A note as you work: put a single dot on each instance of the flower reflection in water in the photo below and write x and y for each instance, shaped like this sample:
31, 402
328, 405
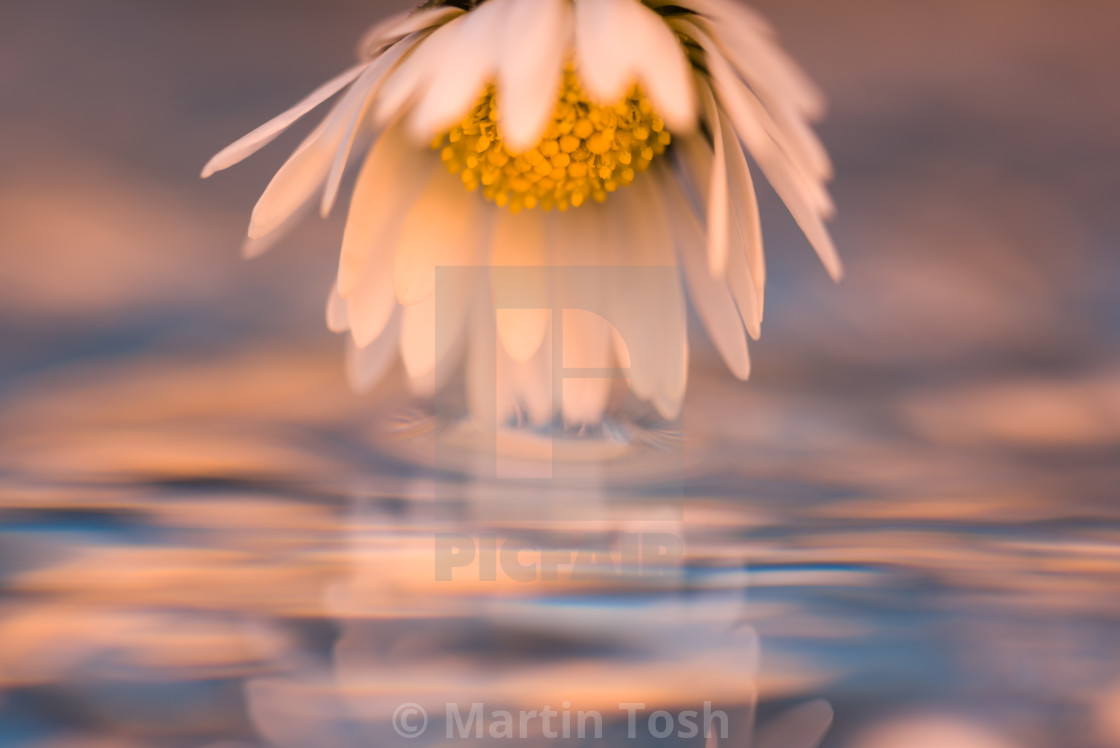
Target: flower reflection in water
574, 621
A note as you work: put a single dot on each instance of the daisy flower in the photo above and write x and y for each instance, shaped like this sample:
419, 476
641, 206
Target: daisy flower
599, 135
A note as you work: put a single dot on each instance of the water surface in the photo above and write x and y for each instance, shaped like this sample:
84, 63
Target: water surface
907, 519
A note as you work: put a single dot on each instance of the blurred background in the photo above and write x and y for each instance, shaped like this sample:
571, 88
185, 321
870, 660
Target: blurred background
207, 540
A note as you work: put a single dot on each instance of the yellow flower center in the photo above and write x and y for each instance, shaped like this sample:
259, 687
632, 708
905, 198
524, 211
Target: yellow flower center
587, 151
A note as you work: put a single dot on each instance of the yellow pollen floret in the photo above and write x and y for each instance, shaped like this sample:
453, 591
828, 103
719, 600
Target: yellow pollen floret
587, 151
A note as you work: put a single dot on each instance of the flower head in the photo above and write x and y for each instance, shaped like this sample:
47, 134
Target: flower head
553, 134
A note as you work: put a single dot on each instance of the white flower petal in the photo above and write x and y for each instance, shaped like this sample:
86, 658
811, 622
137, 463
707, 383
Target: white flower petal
748, 42
694, 164
719, 210
631, 297
730, 181
518, 241
535, 44
305, 172
647, 301
691, 157
801, 139
602, 65
381, 198
370, 306
397, 27
342, 155
390, 178
361, 95
254, 247
532, 382
587, 344
522, 331
650, 54
468, 62
311, 164
741, 281
669, 401
799, 192
266, 133
376, 36
710, 296
621, 353
441, 229
736, 11
581, 238
774, 105
765, 136
747, 234
411, 78
294, 184
664, 70
505, 388
366, 366
338, 315
432, 335
490, 391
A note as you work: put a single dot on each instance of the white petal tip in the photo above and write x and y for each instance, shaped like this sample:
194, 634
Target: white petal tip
683, 119
257, 229
251, 249
361, 337
521, 134
669, 408
520, 144
346, 285
219, 162
682, 126
412, 295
